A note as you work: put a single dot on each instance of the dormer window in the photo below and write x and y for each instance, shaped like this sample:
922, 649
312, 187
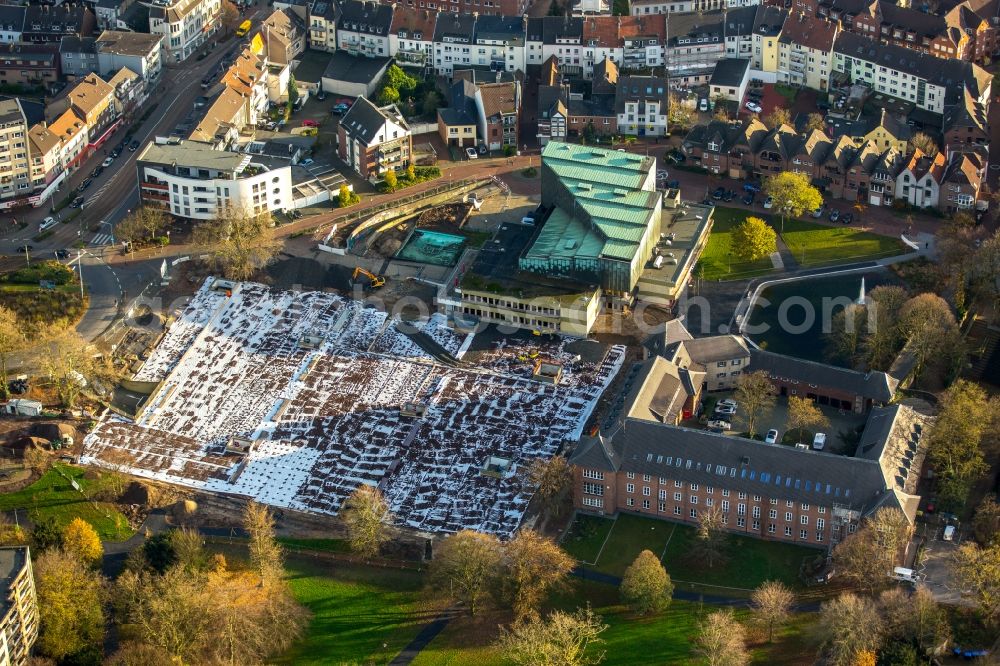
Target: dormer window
713, 146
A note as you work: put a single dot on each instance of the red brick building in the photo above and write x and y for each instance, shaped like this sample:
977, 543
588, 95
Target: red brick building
762, 490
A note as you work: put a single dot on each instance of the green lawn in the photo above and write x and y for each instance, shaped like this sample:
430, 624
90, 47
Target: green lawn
717, 260
586, 536
355, 611
53, 496
662, 639
809, 242
749, 561
814, 244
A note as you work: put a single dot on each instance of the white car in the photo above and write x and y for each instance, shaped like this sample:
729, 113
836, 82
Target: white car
108, 161
753, 106
768, 202
818, 213
728, 402
718, 425
48, 223
771, 437
819, 441
725, 410
471, 153
703, 105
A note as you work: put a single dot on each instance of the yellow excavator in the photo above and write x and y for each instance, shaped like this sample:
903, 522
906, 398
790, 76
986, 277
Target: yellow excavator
375, 280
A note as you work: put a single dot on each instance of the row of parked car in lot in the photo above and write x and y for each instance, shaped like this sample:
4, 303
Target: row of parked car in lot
722, 421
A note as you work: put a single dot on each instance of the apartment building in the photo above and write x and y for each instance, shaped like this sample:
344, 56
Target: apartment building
184, 25
963, 180
49, 24
374, 139
29, 64
45, 149
641, 105
195, 181
323, 17
15, 161
805, 52
92, 99
11, 23
965, 126
695, 43
363, 28
285, 36
411, 37
138, 51
19, 623
454, 35
499, 108
739, 32
480, 7
499, 43
78, 55
767, 25
929, 82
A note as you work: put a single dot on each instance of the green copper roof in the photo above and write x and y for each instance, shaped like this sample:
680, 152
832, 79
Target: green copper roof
611, 212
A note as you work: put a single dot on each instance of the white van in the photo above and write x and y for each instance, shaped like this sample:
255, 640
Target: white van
819, 441
905, 575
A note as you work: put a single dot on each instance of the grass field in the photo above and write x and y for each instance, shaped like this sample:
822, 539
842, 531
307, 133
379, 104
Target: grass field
717, 260
53, 496
749, 562
809, 242
812, 244
662, 639
356, 610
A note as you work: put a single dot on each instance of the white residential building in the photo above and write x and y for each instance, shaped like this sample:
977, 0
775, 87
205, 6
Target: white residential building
411, 38
138, 51
194, 181
185, 25
805, 52
15, 164
323, 17
499, 43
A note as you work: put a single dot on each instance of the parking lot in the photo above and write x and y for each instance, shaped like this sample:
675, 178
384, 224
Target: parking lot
936, 567
777, 418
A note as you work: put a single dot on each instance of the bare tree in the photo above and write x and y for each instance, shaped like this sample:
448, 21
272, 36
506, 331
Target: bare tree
142, 225
533, 565
265, 551
925, 143
554, 478
466, 566
868, 556
778, 117
117, 462
646, 585
368, 518
851, 625
37, 460
132, 653
710, 541
189, 548
70, 362
756, 396
803, 414
913, 618
816, 122
561, 639
986, 523
239, 241
772, 603
721, 640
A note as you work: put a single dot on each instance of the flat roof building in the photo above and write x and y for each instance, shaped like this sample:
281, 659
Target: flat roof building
18, 606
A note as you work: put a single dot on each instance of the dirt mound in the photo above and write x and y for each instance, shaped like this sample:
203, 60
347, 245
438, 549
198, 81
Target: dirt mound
136, 493
53, 431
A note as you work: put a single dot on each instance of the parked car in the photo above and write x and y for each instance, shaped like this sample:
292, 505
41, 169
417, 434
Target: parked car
819, 441
728, 196
340, 109
768, 202
673, 184
310, 123
834, 215
471, 153
307, 161
751, 187
748, 199
847, 218
719, 425
321, 95
771, 437
728, 402
753, 107
108, 161
77, 202
818, 213
48, 223
25, 248
718, 193
62, 254
84, 185
725, 410
676, 157
703, 104
134, 146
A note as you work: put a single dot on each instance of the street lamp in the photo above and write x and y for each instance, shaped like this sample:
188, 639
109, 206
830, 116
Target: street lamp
785, 207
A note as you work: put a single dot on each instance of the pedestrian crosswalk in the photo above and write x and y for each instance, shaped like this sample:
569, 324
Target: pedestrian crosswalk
102, 239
